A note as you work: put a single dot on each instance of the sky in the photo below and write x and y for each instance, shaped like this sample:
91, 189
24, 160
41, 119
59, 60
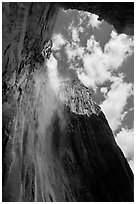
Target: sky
93, 53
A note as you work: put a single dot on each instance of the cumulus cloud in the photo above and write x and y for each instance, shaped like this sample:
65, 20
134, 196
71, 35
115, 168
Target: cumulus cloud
115, 102
58, 41
125, 140
86, 17
117, 50
73, 48
84, 78
99, 65
95, 70
74, 51
75, 34
93, 46
104, 90
91, 19
74, 31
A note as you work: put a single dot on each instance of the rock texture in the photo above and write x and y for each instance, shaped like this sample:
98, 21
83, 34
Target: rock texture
53, 150
78, 98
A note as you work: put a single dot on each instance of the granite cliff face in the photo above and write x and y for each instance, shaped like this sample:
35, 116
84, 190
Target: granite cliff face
56, 147
78, 98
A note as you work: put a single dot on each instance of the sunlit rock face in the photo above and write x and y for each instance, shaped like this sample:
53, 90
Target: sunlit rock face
78, 98
53, 150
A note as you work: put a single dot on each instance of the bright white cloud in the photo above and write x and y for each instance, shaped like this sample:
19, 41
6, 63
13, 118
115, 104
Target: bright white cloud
125, 140
117, 50
91, 19
99, 65
84, 78
95, 69
104, 90
93, 46
115, 102
58, 41
75, 34
73, 48
84, 16
74, 51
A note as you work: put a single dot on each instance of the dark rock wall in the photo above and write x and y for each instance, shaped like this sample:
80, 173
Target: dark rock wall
96, 161
50, 154
26, 28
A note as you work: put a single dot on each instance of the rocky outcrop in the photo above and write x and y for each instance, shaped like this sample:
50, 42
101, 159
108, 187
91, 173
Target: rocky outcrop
58, 154
53, 150
78, 98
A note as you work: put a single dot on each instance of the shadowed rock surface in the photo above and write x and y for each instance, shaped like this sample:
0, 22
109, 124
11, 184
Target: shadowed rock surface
53, 150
